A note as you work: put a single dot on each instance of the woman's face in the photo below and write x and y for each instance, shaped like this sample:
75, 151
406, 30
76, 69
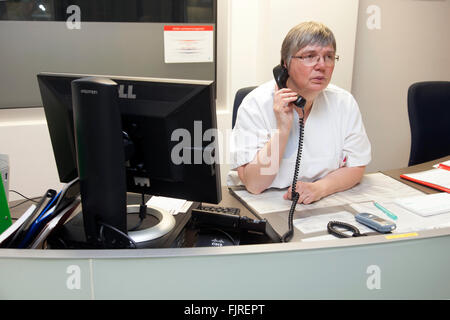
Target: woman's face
311, 68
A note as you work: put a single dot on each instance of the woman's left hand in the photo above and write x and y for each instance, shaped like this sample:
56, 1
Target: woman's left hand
309, 192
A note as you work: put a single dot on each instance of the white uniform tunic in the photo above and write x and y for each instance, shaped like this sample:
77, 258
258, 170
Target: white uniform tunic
334, 135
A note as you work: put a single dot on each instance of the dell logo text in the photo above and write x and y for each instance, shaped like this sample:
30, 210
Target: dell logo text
127, 95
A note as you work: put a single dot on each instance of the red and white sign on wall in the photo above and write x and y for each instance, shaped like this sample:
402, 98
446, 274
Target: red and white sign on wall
188, 44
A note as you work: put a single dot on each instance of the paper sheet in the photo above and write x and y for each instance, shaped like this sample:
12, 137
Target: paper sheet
319, 222
266, 202
406, 221
188, 43
373, 187
17, 224
172, 205
426, 205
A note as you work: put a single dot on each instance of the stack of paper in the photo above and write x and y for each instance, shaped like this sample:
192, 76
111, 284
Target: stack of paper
426, 205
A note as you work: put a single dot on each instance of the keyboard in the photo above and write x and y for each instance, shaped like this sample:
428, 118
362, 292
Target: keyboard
214, 209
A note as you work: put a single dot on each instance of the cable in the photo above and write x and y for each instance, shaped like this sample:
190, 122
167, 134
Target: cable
102, 225
290, 233
136, 226
18, 204
25, 201
28, 199
142, 213
331, 227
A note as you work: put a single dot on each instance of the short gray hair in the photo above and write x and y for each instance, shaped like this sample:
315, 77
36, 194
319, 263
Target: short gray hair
304, 34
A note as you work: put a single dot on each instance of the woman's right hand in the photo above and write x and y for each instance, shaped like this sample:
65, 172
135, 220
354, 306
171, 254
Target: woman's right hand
283, 108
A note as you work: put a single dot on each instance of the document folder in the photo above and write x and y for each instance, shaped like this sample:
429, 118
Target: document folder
438, 178
5, 217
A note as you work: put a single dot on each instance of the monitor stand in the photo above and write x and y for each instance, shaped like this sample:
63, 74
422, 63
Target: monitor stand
166, 222
160, 229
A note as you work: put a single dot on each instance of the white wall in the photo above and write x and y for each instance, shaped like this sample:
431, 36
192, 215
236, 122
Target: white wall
115, 48
411, 44
258, 28
250, 33
24, 137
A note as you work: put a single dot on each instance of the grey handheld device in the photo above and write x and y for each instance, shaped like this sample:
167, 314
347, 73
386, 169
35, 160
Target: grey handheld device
375, 222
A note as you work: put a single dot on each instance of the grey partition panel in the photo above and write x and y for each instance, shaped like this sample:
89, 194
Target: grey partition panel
369, 268
45, 279
107, 48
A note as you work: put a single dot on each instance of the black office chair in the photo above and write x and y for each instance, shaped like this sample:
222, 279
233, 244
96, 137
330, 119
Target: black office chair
240, 95
429, 119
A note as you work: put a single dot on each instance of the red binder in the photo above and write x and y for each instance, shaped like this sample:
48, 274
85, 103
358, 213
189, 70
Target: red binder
443, 166
429, 184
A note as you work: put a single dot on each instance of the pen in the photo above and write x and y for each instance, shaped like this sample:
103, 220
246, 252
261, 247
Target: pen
386, 211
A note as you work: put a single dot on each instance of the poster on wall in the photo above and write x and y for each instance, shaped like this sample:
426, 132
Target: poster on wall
188, 44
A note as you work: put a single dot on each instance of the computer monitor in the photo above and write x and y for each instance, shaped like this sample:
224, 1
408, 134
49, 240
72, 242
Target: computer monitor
168, 133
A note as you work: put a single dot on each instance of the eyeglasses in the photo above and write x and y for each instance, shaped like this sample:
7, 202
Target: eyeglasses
312, 59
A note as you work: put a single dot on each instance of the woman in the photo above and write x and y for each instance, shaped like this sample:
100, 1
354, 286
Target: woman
265, 137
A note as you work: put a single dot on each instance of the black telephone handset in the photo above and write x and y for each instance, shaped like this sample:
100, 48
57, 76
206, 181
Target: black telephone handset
281, 75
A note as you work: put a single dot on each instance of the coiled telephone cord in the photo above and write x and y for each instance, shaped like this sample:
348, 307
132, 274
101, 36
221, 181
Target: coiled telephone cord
290, 233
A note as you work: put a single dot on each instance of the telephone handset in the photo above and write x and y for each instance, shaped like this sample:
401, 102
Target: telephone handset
281, 75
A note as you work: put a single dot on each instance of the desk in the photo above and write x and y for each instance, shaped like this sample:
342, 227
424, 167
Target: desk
228, 200
417, 168
410, 267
